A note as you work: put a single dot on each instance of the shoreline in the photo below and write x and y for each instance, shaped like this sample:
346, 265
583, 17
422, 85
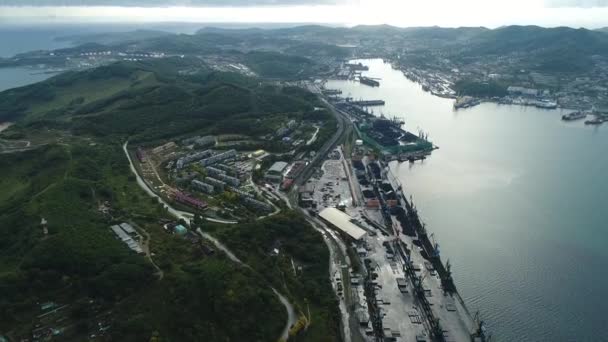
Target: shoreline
420, 80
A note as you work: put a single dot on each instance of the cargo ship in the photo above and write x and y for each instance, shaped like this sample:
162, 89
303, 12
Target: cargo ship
574, 116
369, 81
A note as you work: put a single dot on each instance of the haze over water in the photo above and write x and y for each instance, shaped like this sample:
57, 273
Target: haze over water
516, 200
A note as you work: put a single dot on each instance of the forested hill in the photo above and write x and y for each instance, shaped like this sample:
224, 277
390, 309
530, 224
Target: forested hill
551, 49
74, 180
152, 100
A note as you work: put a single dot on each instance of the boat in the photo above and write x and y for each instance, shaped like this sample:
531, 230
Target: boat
369, 81
574, 116
595, 121
545, 104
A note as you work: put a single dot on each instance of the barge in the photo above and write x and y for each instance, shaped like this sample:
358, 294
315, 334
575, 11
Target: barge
574, 116
369, 81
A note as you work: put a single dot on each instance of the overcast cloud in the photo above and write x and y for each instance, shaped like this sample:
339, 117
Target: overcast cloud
577, 3
447, 13
162, 3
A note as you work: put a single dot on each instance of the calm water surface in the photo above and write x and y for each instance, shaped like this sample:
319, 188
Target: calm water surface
516, 200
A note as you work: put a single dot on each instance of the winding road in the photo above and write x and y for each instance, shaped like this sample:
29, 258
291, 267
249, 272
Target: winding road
186, 216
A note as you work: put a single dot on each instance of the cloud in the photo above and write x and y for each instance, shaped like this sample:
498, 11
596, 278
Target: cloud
576, 3
163, 3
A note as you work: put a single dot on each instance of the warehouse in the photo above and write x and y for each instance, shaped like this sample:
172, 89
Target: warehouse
275, 173
128, 229
124, 237
342, 221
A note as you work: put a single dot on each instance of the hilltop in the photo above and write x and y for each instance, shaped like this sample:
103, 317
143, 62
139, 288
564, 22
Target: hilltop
153, 99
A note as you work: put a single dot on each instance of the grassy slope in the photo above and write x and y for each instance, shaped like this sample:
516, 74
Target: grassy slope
151, 101
297, 241
199, 297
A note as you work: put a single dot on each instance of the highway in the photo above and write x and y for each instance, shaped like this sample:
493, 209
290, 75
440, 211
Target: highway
342, 123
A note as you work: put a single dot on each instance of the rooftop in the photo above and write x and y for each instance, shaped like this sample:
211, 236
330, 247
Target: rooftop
343, 222
278, 167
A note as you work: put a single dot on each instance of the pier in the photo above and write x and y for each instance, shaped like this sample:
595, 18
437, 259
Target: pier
331, 92
368, 103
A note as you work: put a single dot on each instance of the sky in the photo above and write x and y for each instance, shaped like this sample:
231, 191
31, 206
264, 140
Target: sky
446, 13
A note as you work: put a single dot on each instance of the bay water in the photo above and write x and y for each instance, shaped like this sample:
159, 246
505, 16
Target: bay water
516, 199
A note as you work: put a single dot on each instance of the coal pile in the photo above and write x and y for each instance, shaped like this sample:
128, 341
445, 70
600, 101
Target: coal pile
368, 194
406, 224
363, 181
409, 137
358, 165
391, 195
375, 170
386, 187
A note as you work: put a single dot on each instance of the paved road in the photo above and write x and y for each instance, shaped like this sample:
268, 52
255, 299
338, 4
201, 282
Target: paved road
328, 146
291, 316
179, 214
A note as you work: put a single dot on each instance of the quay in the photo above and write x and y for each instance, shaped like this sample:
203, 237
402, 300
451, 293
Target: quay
397, 287
393, 285
368, 103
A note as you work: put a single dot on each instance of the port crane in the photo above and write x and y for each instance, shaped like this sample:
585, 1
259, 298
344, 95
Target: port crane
481, 331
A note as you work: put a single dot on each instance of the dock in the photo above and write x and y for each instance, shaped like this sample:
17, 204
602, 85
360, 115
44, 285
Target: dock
403, 290
368, 103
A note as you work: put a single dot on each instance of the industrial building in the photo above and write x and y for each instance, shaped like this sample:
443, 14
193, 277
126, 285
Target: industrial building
128, 229
305, 195
275, 173
124, 237
343, 222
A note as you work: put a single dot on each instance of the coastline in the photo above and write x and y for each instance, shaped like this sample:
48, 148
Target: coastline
502, 168
446, 91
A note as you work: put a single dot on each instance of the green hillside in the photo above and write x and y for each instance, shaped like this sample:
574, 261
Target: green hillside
80, 263
76, 167
154, 100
